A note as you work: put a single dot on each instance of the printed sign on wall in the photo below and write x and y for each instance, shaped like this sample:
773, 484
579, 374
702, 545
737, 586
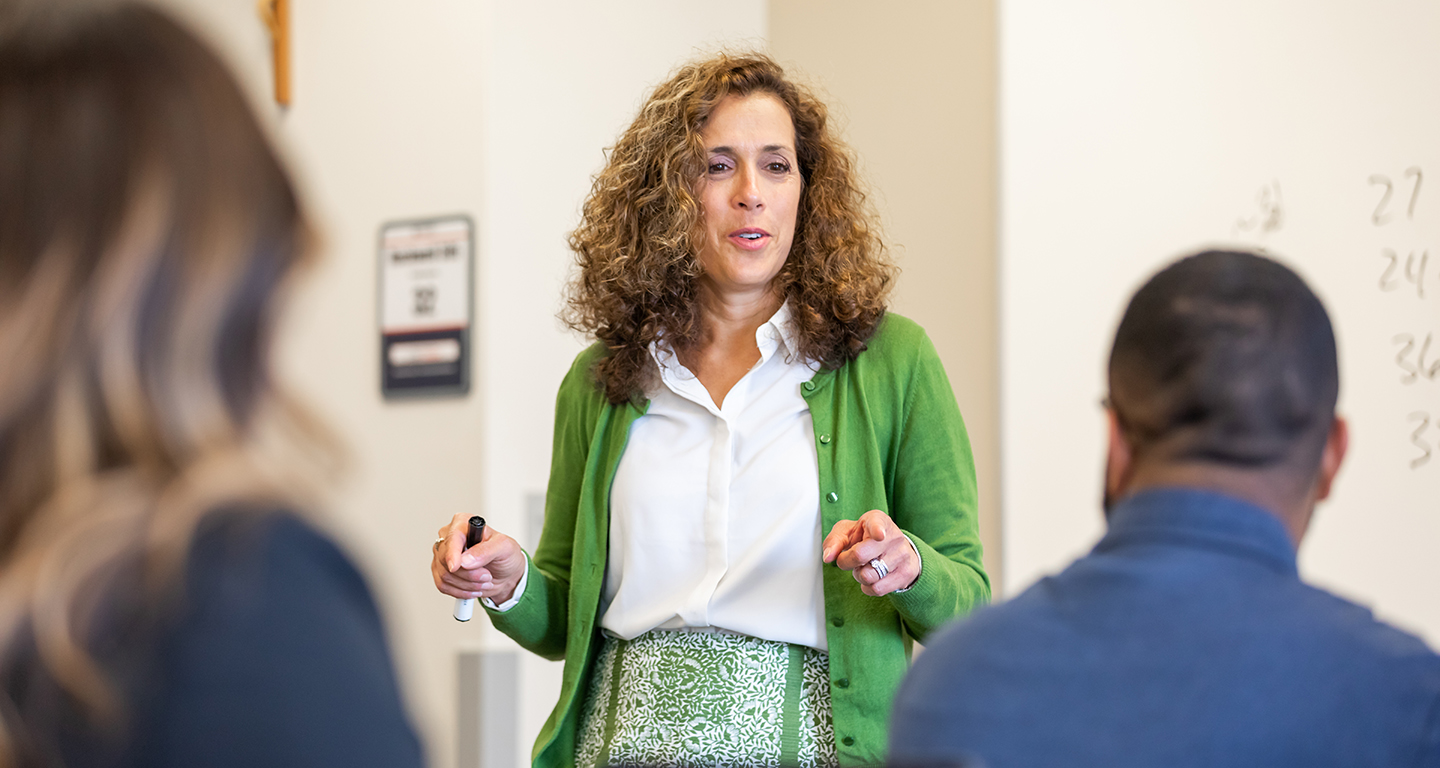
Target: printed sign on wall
425, 306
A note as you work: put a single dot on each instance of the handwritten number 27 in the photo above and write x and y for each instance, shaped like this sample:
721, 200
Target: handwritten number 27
1381, 216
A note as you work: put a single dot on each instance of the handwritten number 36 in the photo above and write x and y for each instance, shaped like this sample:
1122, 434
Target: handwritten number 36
1418, 367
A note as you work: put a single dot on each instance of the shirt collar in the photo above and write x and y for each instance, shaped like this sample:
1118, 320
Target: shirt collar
1192, 517
775, 334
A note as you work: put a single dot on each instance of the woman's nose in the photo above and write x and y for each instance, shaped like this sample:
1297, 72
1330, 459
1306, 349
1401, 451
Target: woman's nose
747, 191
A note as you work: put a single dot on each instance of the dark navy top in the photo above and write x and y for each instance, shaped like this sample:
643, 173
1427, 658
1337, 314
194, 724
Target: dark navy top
1186, 638
272, 654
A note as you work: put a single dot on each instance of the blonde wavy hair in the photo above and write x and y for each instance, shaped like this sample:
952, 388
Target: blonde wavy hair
635, 246
146, 230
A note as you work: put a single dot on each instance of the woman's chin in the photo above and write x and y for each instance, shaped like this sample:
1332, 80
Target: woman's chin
742, 286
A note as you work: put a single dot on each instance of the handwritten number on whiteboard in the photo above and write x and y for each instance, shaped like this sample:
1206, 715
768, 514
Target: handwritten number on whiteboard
1411, 372
1386, 282
1424, 370
1270, 212
1379, 217
1414, 370
1417, 439
1414, 191
1416, 264
1415, 271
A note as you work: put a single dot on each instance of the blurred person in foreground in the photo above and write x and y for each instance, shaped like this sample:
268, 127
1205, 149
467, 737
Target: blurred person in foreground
749, 415
162, 600
1186, 638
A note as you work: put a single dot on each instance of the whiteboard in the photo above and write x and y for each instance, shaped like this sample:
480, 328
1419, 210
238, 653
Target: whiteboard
1133, 131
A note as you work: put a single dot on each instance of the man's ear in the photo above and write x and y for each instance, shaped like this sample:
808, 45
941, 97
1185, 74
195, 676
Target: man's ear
1336, 444
1119, 458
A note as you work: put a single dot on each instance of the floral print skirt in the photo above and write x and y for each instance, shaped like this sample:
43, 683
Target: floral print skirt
707, 699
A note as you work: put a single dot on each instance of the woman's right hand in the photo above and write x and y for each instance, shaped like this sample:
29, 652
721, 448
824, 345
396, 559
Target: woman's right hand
489, 569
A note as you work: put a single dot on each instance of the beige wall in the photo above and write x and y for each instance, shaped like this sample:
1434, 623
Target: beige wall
914, 87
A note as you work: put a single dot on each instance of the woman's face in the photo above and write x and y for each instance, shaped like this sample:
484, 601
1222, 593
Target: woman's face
750, 193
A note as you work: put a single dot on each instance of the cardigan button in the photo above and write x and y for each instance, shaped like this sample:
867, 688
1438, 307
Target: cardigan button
837, 621
832, 497
843, 682
848, 741
809, 386
824, 439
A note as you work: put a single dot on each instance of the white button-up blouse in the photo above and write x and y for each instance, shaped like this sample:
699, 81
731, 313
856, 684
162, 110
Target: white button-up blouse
715, 509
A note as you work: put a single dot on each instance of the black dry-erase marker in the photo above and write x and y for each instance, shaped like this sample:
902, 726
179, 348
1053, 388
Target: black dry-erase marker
465, 606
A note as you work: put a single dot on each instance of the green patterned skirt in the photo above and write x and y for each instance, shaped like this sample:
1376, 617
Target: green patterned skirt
701, 699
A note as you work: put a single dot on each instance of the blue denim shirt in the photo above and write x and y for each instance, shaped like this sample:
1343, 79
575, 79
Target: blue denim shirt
1186, 638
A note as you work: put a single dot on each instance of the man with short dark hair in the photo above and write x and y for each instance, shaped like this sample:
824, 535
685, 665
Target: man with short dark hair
1186, 638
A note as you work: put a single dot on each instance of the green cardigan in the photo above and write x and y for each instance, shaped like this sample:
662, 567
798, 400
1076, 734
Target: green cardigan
889, 436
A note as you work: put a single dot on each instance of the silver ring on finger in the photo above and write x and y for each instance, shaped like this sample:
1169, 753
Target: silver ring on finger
881, 569
436, 545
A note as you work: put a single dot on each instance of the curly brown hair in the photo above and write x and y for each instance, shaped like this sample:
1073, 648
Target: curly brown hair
636, 242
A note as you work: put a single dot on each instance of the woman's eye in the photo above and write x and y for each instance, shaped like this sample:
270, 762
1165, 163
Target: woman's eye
719, 167
778, 167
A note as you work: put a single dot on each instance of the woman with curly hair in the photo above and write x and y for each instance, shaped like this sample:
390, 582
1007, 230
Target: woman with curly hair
747, 393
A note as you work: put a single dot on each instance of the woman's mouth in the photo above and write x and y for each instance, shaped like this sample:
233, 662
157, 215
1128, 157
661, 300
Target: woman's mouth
749, 238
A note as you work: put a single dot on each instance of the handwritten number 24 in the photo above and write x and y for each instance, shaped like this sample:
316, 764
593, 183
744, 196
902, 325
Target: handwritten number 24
1414, 270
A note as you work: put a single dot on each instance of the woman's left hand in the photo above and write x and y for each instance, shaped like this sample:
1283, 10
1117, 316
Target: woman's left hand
852, 544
